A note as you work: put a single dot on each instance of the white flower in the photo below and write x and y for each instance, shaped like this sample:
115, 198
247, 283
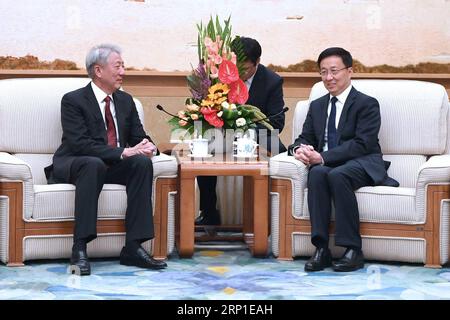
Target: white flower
240, 122
192, 107
219, 114
232, 106
225, 105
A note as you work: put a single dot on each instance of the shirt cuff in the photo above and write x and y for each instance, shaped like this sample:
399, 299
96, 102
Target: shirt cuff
294, 149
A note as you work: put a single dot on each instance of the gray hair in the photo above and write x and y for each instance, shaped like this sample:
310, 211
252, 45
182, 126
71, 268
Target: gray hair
99, 55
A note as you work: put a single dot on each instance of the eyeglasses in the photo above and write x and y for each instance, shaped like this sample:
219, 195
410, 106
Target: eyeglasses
333, 72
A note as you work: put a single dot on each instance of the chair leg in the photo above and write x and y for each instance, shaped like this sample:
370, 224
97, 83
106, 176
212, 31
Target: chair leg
285, 220
435, 195
14, 192
162, 189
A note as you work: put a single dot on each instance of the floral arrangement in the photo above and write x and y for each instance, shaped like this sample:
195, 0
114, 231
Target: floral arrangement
218, 94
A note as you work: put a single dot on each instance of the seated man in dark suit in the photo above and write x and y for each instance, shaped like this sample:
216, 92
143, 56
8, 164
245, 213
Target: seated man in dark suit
265, 92
339, 142
103, 141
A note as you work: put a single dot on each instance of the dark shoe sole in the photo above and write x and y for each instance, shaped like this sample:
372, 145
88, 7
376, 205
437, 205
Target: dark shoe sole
347, 268
139, 265
208, 220
76, 270
313, 269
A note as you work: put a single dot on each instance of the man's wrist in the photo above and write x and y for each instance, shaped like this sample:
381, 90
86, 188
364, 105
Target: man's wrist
125, 153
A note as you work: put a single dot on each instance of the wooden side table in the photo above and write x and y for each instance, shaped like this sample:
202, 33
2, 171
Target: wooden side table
256, 198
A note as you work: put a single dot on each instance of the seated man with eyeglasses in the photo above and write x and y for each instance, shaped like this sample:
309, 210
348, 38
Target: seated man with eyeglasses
339, 143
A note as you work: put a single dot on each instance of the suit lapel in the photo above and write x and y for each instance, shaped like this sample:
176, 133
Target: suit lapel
92, 103
324, 112
94, 108
254, 89
348, 103
323, 118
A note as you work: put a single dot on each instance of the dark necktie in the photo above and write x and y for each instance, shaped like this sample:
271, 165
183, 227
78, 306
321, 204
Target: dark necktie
110, 127
332, 134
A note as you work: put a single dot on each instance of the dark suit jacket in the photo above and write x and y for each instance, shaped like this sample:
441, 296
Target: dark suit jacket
84, 132
357, 135
266, 93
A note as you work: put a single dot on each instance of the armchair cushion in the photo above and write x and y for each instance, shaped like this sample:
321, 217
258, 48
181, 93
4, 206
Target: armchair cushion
406, 107
36, 113
382, 205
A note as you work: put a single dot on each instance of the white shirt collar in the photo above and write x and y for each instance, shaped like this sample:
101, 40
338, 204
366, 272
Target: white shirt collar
343, 96
100, 95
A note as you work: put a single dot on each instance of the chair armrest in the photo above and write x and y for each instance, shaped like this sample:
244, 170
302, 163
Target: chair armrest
13, 168
166, 147
435, 171
284, 166
301, 109
287, 167
164, 166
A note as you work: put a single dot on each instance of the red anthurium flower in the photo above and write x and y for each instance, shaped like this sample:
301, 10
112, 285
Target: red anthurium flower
207, 111
214, 120
210, 115
228, 72
238, 92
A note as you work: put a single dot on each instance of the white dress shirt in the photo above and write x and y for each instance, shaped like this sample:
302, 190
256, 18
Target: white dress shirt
249, 81
339, 107
100, 95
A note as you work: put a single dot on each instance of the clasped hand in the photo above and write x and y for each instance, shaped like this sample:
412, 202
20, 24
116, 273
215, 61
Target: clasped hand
307, 155
144, 147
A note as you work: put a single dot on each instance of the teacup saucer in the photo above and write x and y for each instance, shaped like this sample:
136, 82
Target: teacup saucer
253, 156
196, 156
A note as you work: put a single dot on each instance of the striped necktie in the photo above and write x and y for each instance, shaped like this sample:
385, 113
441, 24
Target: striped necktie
110, 127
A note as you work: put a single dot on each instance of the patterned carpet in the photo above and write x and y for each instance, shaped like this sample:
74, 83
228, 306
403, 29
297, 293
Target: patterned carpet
225, 275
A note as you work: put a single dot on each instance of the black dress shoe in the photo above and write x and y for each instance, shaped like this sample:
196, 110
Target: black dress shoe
140, 258
208, 218
351, 260
79, 263
320, 260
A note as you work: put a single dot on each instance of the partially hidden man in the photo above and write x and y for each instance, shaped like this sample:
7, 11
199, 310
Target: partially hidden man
265, 92
104, 141
339, 143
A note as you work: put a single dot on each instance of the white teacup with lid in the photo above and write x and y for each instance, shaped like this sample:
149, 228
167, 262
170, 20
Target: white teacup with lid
245, 147
199, 147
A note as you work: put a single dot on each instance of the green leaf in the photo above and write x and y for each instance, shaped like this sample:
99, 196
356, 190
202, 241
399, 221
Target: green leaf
199, 49
238, 49
211, 30
173, 122
229, 114
230, 123
218, 27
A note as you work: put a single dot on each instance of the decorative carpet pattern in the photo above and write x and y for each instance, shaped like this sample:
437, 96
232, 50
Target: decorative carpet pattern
224, 275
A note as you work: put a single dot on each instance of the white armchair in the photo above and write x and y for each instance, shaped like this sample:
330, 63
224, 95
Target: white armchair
409, 223
36, 221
